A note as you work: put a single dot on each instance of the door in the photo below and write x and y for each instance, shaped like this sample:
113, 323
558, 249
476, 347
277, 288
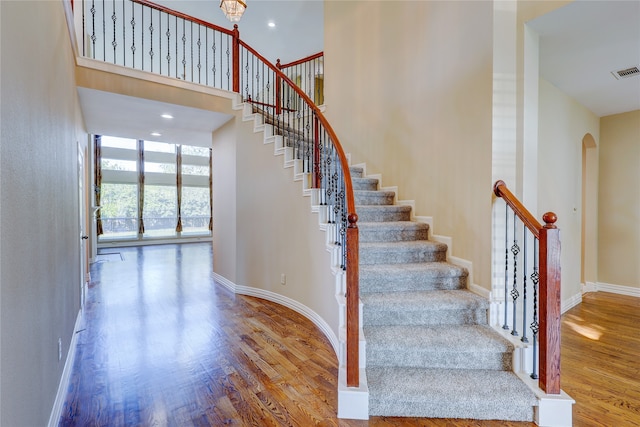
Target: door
82, 219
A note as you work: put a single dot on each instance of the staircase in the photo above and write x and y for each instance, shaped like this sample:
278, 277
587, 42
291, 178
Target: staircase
429, 350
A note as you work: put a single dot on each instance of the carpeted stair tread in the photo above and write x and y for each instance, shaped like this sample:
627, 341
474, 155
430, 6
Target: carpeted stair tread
462, 347
381, 213
449, 393
402, 252
392, 231
411, 277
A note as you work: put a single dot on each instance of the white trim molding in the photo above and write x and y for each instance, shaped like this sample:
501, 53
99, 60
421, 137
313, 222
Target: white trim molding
294, 305
571, 302
63, 386
618, 289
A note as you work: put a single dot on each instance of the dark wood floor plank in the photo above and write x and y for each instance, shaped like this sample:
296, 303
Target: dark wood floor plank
163, 345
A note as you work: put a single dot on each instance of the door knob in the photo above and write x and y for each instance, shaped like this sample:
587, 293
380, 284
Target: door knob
85, 237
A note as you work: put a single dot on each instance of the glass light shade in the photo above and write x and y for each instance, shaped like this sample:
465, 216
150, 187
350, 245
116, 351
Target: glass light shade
233, 9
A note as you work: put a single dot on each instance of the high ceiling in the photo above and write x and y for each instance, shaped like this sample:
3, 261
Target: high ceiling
580, 44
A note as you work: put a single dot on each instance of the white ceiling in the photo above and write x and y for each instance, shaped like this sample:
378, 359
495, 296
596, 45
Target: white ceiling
580, 44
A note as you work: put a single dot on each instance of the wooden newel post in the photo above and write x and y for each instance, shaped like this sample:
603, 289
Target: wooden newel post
236, 58
550, 305
353, 303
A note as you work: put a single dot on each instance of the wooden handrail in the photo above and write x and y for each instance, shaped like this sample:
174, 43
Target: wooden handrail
352, 273
184, 16
500, 189
550, 299
299, 61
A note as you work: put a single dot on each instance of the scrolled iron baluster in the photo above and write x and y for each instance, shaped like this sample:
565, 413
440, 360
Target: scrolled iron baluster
535, 278
199, 44
151, 41
114, 18
124, 37
505, 326
515, 250
133, 36
93, 28
168, 34
524, 286
184, 51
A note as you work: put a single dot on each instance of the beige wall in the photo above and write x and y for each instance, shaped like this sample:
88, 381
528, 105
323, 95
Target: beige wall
619, 213
39, 226
408, 89
269, 223
562, 127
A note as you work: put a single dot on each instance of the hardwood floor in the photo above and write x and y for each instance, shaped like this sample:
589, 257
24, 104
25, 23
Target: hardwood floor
601, 360
163, 345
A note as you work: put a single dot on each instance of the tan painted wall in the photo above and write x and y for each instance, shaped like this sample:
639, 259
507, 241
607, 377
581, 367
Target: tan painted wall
270, 214
563, 124
408, 89
39, 227
619, 213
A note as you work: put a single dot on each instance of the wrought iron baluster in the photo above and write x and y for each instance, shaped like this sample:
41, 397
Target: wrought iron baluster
228, 61
515, 249
535, 278
184, 51
104, 35
213, 59
124, 37
133, 35
524, 285
114, 19
191, 49
142, 36
160, 42
168, 34
199, 55
177, 56
506, 265
206, 55
151, 40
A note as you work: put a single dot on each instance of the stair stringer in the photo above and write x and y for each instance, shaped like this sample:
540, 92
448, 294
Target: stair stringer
552, 410
353, 402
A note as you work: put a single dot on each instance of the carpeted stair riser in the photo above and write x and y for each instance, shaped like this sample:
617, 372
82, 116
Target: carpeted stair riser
368, 184
449, 393
402, 252
397, 231
365, 197
356, 172
383, 213
463, 347
411, 277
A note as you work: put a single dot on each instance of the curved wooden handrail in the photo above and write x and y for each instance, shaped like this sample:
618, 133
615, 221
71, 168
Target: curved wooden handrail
351, 205
183, 16
352, 273
299, 61
500, 189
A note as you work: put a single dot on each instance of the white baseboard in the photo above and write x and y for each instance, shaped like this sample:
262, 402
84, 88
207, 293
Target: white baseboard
571, 302
589, 287
618, 289
294, 305
63, 386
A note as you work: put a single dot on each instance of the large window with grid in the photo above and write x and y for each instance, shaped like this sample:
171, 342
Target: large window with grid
148, 189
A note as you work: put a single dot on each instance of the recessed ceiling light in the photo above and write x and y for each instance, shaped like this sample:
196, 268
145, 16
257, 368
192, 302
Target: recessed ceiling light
167, 116
156, 134
271, 24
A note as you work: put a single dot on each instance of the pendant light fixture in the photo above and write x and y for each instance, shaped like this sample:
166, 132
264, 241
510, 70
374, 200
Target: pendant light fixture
233, 9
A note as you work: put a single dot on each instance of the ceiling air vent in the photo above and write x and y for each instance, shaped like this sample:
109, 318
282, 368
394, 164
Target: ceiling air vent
626, 73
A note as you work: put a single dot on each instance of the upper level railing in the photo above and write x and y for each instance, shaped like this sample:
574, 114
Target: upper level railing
308, 74
541, 313
146, 36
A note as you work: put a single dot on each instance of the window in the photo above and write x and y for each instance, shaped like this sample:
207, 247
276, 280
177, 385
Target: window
127, 182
